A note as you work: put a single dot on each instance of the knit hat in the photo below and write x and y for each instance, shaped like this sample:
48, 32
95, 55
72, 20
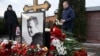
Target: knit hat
10, 6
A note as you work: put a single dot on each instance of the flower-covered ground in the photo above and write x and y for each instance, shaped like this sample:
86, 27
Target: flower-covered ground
15, 48
92, 49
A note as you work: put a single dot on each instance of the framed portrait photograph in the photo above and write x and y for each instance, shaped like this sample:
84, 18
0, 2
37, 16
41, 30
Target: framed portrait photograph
33, 27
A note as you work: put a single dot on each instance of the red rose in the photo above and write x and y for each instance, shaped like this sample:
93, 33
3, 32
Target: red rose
83, 52
76, 53
3, 52
52, 48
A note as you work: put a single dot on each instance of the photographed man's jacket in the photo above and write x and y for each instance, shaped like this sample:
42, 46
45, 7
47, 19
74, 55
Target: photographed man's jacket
68, 15
10, 17
37, 39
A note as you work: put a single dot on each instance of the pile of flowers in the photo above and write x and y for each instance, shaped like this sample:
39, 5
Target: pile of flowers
62, 46
14, 48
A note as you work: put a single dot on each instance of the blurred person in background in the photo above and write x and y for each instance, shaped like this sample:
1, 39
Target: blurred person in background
68, 16
11, 22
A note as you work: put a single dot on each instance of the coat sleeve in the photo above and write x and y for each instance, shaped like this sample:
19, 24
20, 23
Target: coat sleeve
16, 17
71, 16
15, 14
5, 17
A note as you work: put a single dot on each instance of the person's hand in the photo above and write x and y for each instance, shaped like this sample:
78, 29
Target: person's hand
62, 21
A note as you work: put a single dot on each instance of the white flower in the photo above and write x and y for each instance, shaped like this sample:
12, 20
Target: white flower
15, 42
4, 42
55, 42
59, 46
12, 46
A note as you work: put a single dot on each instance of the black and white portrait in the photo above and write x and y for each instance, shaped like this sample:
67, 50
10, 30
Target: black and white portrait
32, 28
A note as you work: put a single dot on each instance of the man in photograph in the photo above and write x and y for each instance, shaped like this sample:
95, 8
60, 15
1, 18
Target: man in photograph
33, 30
11, 21
68, 16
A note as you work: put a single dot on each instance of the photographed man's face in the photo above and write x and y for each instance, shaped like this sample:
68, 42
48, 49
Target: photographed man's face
30, 29
31, 24
65, 5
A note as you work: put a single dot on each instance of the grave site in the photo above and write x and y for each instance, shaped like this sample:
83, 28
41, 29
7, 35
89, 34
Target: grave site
49, 28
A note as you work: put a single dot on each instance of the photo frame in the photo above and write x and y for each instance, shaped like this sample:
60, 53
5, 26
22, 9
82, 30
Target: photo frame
33, 27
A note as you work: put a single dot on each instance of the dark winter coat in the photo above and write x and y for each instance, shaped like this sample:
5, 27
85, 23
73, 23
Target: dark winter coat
10, 17
68, 15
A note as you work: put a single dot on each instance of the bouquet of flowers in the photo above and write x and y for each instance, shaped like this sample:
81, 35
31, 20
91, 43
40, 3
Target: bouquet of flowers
57, 42
62, 46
